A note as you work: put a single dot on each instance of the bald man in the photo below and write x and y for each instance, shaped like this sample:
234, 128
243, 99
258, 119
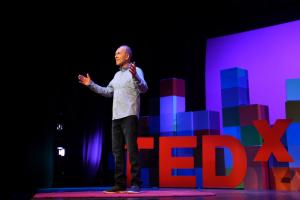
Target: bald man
125, 88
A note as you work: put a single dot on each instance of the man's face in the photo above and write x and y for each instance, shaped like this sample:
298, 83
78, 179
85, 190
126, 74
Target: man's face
121, 56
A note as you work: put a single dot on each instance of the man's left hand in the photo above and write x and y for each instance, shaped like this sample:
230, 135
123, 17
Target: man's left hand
132, 69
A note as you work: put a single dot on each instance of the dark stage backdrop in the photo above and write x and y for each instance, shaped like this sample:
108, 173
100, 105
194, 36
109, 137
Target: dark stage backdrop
163, 55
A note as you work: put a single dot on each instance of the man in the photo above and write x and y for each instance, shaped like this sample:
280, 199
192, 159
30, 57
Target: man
125, 88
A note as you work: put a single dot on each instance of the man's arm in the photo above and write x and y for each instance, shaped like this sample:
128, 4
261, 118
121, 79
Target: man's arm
138, 77
104, 91
140, 81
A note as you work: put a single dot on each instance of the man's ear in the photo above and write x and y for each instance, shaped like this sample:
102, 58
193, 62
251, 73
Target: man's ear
127, 57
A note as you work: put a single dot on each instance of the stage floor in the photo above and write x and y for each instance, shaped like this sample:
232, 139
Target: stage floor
165, 194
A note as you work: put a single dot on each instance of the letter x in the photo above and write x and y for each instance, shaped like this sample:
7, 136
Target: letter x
272, 143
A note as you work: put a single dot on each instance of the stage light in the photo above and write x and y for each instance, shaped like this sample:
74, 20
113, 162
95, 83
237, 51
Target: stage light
59, 127
61, 151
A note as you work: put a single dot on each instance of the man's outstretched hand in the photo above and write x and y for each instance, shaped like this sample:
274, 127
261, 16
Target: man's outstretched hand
132, 69
85, 80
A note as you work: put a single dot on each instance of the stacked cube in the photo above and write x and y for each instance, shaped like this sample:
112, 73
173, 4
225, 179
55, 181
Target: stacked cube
238, 116
287, 177
198, 123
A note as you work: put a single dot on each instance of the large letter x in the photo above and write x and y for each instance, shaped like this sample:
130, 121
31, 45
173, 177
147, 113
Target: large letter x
272, 143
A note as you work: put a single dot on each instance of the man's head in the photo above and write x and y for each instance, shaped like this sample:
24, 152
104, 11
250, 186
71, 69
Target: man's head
123, 55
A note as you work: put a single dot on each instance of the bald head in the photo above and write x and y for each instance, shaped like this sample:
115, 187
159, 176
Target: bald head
127, 50
123, 55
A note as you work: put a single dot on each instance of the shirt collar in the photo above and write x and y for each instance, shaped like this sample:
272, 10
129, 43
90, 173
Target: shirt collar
124, 68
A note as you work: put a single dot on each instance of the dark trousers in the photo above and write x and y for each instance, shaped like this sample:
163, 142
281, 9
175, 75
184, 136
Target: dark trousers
125, 130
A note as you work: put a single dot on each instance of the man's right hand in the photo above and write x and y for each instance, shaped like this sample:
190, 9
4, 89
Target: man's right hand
85, 80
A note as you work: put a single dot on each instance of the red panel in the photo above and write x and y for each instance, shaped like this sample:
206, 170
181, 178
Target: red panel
172, 87
210, 178
285, 179
272, 142
143, 143
257, 176
167, 162
253, 112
